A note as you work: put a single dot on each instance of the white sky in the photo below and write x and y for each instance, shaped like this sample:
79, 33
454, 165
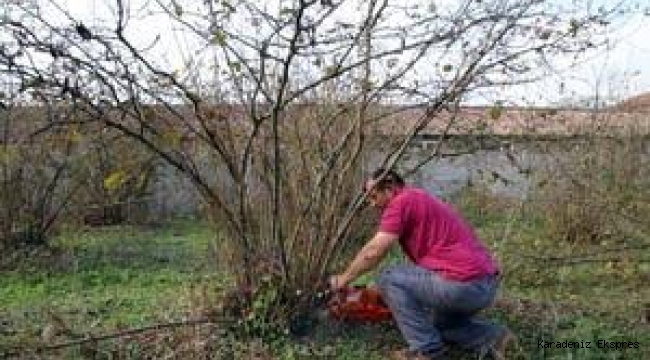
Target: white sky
620, 72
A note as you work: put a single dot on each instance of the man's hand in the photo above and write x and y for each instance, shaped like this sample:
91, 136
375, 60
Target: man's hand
367, 258
338, 282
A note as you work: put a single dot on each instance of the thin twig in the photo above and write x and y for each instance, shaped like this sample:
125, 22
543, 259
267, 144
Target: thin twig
580, 258
15, 352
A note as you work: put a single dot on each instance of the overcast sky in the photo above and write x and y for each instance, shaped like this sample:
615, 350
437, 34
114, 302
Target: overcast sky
618, 72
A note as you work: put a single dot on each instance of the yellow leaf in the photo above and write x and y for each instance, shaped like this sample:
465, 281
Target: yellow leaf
219, 38
74, 136
114, 180
495, 112
172, 138
8, 154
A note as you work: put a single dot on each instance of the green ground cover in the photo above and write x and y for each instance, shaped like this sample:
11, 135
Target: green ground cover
102, 280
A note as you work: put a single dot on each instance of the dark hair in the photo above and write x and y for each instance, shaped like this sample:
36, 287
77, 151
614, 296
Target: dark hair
386, 179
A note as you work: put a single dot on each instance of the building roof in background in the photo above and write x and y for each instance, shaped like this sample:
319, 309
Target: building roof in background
639, 103
523, 121
629, 116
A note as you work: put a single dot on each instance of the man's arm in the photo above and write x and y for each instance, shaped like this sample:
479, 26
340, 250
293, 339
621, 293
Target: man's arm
366, 259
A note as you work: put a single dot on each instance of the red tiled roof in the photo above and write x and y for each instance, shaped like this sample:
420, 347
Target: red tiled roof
639, 103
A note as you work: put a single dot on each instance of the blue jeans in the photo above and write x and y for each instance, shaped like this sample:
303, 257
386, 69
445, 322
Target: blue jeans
430, 310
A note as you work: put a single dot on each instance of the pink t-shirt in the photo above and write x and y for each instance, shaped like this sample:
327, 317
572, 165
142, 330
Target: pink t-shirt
435, 237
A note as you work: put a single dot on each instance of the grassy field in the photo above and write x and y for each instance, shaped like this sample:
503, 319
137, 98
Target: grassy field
105, 279
102, 280
557, 291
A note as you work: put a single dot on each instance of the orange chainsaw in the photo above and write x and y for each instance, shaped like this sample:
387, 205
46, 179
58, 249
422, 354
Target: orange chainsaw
359, 304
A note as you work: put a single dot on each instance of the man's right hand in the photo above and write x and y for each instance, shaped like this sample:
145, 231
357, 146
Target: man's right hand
338, 282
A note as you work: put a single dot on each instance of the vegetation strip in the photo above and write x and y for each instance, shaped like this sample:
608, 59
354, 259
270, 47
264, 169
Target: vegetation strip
119, 334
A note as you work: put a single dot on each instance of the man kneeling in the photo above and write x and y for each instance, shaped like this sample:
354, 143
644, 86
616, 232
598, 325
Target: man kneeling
452, 277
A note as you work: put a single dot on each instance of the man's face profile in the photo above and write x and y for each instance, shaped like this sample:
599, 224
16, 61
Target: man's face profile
377, 198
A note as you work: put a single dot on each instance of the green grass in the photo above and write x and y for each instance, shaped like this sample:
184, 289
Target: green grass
104, 279
555, 291
101, 280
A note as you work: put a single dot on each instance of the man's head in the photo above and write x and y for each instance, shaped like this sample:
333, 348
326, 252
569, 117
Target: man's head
382, 186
